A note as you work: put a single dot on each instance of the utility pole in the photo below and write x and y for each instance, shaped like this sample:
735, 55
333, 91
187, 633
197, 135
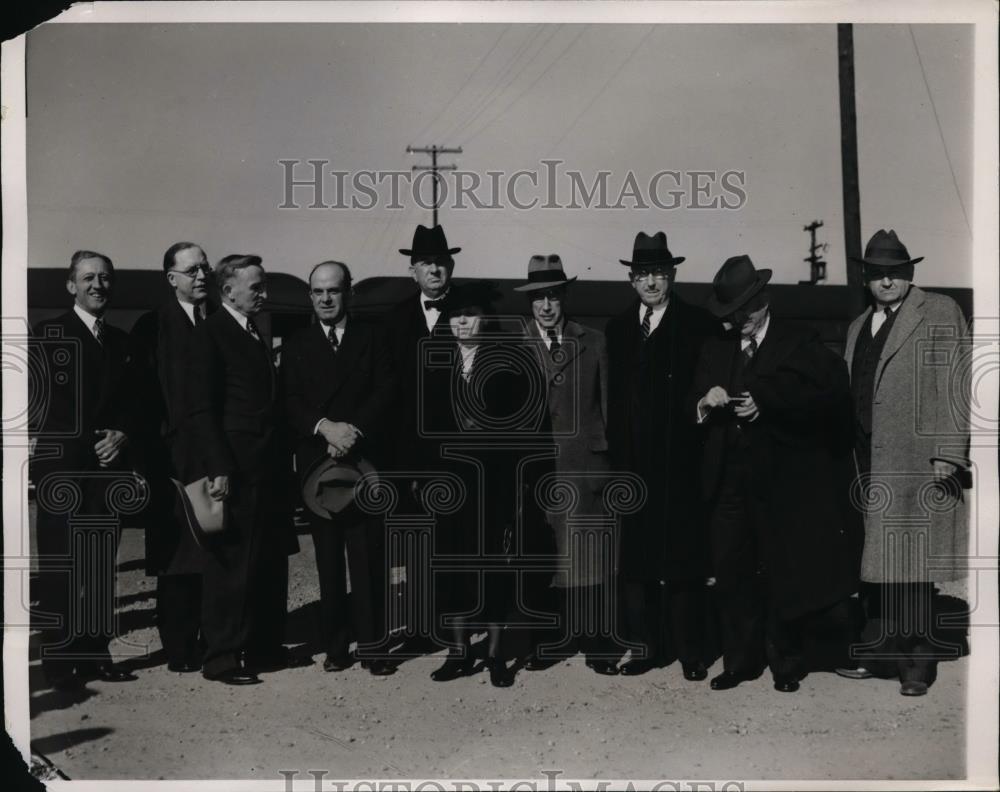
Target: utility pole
849, 168
434, 167
817, 267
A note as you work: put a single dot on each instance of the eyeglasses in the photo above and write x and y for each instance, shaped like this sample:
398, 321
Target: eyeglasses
658, 274
192, 272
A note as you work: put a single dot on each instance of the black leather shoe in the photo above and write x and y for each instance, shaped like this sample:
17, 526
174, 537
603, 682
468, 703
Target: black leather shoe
500, 676
728, 680
859, 672
236, 676
786, 684
603, 667
338, 662
694, 672
533, 663
913, 688
453, 668
106, 672
183, 667
379, 667
637, 667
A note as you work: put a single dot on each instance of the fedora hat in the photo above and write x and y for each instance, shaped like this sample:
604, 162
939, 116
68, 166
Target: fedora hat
544, 272
428, 243
205, 516
885, 250
734, 284
328, 486
651, 251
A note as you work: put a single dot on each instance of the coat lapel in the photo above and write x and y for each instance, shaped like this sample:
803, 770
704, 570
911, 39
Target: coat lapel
852, 336
910, 317
571, 330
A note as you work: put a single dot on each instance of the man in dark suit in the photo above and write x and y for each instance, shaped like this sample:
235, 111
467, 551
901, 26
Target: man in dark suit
418, 317
234, 423
161, 356
652, 351
82, 478
773, 402
338, 387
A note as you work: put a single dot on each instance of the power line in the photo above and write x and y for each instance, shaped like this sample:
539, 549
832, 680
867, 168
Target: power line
433, 167
937, 120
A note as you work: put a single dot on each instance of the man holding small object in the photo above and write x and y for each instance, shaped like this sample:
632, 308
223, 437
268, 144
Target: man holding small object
773, 404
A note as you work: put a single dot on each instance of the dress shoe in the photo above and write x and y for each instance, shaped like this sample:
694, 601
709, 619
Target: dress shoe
533, 663
694, 672
786, 684
913, 688
183, 667
338, 662
106, 672
603, 667
453, 668
379, 667
500, 675
236, 676
859, 672
728, 680
637, 667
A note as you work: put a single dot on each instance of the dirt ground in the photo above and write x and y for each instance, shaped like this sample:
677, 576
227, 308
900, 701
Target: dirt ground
567, 719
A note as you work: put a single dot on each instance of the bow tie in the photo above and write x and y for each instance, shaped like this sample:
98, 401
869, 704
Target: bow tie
436, 305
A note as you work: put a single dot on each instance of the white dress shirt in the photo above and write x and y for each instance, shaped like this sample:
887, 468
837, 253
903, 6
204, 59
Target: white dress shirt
431, 315
338, 329
190, 308
880, 314
656, 317
88, 318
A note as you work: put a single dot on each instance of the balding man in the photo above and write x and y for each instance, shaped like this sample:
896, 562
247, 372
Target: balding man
338, 386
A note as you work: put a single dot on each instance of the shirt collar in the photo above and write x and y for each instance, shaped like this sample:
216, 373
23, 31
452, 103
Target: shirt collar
189, 309
87, 318
560, 329
759, 335
240, 318
338, 328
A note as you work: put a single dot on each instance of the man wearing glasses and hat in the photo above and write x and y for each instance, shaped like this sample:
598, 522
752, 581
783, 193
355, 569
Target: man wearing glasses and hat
418, 317
574, 360
912, 438
652, 351
161, 357
773, 403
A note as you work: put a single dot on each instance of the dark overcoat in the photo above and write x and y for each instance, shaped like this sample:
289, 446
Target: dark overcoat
800, 458
651, 434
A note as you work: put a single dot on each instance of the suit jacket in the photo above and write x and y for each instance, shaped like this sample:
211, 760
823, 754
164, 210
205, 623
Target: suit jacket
798, 452
161, 358
920, 410
234, 422
576, 391
651, 434
82, 386
356, 384
405, 327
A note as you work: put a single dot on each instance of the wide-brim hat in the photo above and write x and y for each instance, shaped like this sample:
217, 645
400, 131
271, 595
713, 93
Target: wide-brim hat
885, 250
545, 272
204, 514
651, 251
479, 293
736, 282
428, 243
329, 486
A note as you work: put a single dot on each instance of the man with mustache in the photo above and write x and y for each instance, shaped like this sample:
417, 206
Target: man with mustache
161, 357
652, 351
82, 439
234, 423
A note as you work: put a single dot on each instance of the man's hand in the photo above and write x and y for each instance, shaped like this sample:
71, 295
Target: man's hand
746, 408
716, 397
943, 470
338, 434
109, 446
218, 488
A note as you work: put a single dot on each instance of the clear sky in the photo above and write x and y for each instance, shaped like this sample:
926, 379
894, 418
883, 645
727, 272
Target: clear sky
143, 135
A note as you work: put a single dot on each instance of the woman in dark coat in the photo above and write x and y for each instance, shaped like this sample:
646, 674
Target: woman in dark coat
486, 404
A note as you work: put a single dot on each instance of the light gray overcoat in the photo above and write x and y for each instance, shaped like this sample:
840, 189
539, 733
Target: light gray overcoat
577, 395
916, 530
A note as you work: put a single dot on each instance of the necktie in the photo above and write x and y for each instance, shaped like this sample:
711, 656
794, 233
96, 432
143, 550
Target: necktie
435, 305
646, 321
331, 336
99, 331
749, 351
198, 317
554, 345
252, 329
